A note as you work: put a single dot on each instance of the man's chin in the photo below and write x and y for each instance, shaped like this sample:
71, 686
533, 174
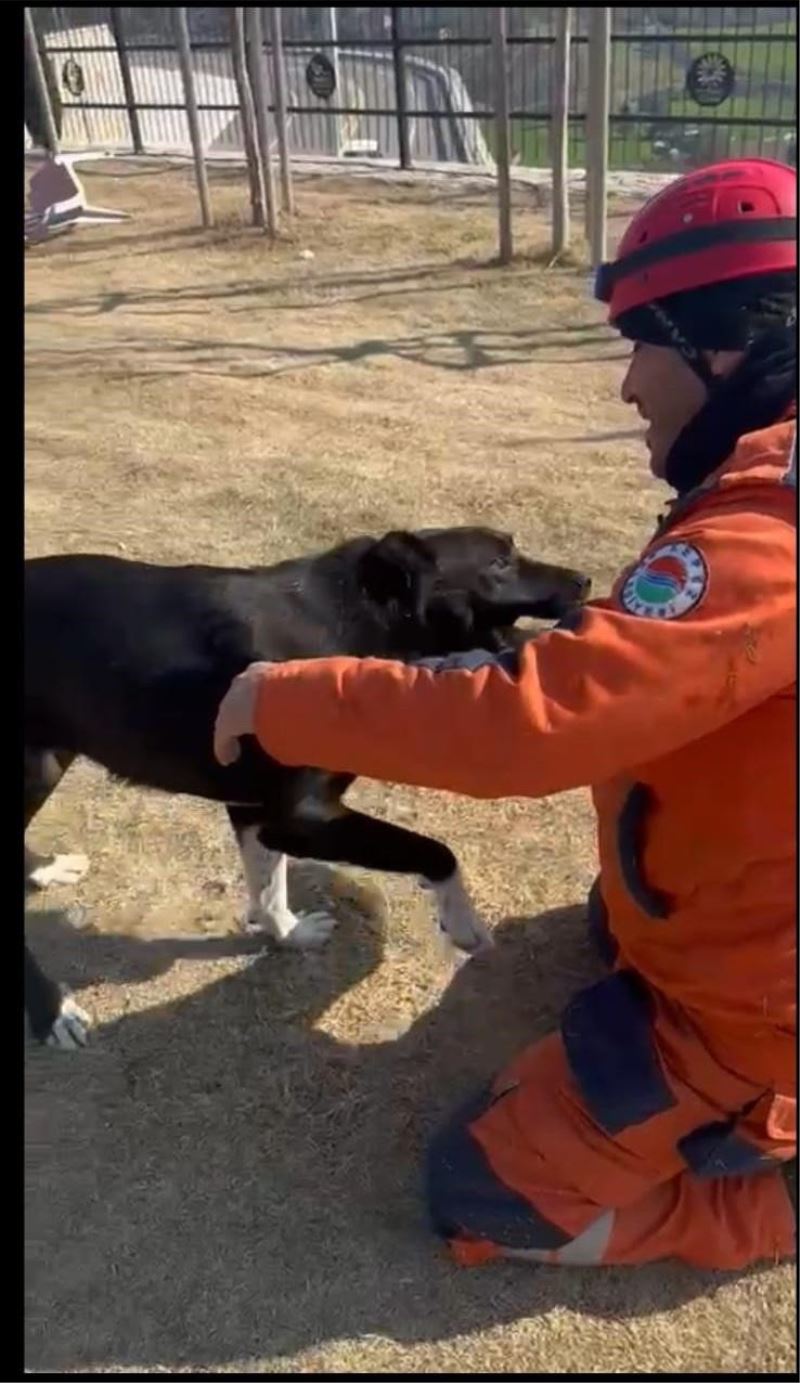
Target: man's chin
657, 457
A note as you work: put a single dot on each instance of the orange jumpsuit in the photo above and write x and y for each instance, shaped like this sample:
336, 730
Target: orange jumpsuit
651, 1125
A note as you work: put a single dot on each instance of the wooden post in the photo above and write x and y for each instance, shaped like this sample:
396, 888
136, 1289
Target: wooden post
247, 114
40, 84
279, 85
190, 101
330, 27
399, 65
597, 112
560, 130
255, 48
502, 134
115, 20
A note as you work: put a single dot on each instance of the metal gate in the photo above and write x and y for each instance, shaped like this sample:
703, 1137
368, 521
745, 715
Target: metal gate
413, 84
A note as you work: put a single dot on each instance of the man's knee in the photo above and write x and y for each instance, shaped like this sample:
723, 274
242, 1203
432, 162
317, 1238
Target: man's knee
722, 1222
467, 1200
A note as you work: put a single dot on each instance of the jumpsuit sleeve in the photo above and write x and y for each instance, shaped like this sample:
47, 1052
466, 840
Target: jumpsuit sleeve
575, 708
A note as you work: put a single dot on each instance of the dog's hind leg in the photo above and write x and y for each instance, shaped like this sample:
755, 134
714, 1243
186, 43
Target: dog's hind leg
55, 1018
268, 908
44, 769
348, 837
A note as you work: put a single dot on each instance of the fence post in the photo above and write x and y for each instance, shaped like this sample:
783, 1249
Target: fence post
255, 50
115, 19
279, 83
247, 114
40, 84
399, 63
187, 76
560, 130
502, 135
597, 109
331, 35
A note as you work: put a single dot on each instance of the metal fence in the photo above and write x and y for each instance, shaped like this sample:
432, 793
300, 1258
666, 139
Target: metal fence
414, 84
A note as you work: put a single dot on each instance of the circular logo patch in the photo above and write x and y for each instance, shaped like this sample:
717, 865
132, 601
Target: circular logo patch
72, 77
321, 76
667, 583
710, 79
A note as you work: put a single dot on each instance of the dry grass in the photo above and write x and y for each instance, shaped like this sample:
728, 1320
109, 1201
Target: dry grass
228, 1178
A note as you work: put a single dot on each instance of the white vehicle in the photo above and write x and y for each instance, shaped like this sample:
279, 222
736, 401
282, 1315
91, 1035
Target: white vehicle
361, 148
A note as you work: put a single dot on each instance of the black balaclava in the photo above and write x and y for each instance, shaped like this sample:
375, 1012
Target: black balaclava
757, 315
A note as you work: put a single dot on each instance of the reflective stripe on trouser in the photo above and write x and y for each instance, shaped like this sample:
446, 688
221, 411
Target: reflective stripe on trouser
727, 1223
590, 1148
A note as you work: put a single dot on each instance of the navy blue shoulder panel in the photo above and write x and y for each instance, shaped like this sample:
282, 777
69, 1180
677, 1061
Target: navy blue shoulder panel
507, 659
472, 661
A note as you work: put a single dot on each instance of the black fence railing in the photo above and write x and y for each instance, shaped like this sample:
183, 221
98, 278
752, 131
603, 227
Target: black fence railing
414, 84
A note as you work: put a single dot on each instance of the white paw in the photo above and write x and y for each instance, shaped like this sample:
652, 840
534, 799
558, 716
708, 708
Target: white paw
304, 931
310, 931
61, 869
457, 918
71, 1028
254, 922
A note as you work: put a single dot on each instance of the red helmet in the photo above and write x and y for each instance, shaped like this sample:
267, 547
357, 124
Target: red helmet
727, 221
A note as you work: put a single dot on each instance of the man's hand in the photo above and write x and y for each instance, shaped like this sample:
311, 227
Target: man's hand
236, 713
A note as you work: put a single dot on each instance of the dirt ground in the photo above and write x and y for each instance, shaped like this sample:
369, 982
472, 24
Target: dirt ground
228, 1177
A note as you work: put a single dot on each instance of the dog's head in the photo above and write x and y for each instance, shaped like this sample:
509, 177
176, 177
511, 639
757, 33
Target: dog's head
450, 589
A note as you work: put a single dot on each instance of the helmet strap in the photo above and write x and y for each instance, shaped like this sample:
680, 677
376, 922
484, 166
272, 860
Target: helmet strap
676, 339
759, 392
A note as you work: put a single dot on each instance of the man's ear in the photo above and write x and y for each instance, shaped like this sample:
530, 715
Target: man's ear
723, 363
400, 568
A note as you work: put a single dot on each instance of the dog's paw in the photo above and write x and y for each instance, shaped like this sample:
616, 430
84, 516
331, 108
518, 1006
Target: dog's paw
310, 931
458, 921
254, 922
61, 869
303, 931
71, 1028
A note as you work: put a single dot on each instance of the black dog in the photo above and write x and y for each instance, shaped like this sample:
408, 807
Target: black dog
126, 663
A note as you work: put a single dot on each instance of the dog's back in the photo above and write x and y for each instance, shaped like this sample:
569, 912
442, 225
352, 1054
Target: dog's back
126, 662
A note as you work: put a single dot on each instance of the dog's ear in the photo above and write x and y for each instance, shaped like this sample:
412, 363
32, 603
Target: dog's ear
400, 567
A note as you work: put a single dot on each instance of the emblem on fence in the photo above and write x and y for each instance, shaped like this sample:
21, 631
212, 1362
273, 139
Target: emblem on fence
710, 79
321, 76
72, 77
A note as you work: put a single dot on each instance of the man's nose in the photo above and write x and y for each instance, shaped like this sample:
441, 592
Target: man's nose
626, 390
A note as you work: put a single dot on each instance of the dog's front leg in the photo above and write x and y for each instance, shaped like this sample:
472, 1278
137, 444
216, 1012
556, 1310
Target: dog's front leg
457, 917
268, 908
350, 837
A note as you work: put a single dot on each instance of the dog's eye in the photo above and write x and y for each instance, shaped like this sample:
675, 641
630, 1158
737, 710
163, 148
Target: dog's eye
500, 564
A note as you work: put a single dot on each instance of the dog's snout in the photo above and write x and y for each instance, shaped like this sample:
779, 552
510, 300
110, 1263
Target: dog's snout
583, 586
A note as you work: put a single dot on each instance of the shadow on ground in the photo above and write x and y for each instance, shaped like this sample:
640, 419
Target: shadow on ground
220, 1178
460, 350
343, 286
314, 291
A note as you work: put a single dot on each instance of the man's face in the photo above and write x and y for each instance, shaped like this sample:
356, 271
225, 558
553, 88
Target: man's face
667, 393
